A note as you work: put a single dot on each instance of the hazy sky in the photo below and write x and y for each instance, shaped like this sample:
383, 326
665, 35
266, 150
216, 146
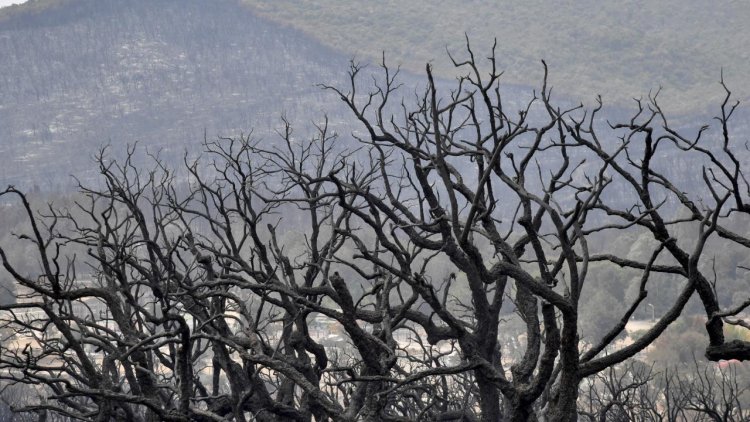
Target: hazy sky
4, 3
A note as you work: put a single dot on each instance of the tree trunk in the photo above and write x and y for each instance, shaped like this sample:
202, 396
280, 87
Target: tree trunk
489, 398
563, 407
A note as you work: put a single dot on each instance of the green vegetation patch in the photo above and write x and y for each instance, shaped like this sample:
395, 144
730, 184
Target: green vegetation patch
617, 49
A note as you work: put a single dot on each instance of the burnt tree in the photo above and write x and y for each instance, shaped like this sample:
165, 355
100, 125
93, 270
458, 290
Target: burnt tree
373, 277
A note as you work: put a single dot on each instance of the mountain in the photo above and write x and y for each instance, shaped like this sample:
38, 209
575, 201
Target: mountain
77, 74
620, 49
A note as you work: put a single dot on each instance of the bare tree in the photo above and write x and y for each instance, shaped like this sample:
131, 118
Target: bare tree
454, 166
698, 391
621, 394
215, 293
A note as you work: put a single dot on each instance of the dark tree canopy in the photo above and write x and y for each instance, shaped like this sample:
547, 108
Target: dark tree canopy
377, 276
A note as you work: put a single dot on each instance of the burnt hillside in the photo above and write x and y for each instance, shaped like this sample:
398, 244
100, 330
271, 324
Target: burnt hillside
80, 74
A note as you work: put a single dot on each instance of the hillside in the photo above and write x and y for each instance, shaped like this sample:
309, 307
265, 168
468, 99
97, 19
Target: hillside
79, 74
619, 49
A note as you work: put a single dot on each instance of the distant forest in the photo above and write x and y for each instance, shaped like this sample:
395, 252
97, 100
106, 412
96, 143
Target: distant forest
617, 49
